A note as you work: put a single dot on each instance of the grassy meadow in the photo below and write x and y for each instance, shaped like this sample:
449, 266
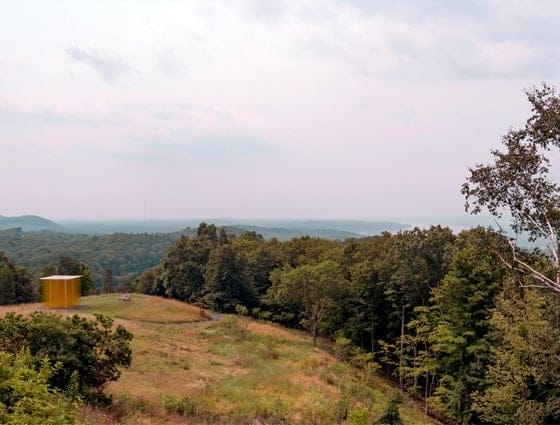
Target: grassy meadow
189, 369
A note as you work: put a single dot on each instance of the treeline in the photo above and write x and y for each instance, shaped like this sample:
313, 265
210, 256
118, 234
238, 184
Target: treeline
436, 312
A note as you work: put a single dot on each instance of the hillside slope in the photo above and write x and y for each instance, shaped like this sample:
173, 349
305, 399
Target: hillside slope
29, 223
189, 369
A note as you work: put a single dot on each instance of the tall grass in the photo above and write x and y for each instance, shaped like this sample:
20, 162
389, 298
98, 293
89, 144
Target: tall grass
233, 371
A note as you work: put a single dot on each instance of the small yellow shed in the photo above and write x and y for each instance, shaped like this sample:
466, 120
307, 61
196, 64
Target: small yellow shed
61, 291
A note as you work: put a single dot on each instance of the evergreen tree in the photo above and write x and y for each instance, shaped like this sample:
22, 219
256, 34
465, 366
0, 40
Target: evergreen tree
227, 282
107, 281
391, 415
524, 376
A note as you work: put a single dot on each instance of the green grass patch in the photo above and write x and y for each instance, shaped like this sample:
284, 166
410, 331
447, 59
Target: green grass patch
142, 308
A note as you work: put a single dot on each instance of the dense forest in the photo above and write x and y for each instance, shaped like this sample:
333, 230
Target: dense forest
123, 254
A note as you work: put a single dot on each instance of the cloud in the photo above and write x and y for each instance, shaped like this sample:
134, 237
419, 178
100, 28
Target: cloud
270, 11
108, 68
211, 149
170, 64
21, 118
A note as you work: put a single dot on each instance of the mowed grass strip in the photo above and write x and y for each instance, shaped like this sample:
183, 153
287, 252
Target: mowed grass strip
142, 308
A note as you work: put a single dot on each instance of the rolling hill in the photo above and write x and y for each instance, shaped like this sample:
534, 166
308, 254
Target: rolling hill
29, 223
231, 370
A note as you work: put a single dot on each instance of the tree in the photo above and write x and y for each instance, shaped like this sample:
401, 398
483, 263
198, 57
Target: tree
107, 281
313, 288
16, 283
519, 183
227, 282
391, 415
125, 283
183, 266
71, 266
524, 376
449, 342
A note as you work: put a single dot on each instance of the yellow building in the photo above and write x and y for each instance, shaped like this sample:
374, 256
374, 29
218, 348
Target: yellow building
61, 291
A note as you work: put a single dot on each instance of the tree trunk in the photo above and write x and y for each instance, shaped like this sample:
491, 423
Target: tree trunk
314, 334
401, 381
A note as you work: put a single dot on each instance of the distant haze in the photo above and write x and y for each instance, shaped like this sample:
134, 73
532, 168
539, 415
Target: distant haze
306, 109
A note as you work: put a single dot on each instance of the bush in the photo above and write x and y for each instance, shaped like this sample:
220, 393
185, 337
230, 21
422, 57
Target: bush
83, 354
359, 416
183, 406
25, 397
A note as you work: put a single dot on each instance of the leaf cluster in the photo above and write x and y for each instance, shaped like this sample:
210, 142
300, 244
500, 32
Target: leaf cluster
73, 346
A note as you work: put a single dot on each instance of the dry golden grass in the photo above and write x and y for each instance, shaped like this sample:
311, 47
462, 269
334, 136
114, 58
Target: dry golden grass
232, 371
23, 309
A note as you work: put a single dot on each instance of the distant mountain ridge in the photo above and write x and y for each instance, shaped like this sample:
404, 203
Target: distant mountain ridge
282, 229
29, 223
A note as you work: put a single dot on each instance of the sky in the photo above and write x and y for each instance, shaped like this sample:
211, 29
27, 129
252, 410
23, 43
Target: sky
331, 109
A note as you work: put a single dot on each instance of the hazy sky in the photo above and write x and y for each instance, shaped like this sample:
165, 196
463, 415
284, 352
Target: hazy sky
315, 109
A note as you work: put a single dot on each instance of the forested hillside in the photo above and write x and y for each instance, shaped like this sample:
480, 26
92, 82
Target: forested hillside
125, 254
438, 313
29, 223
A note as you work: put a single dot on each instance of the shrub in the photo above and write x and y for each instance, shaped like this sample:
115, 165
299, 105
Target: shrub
359, 416
25, 397
83, 354
183, 406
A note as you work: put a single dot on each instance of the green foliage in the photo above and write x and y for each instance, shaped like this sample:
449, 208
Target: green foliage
241, 310
183, 406
25, 396
16, 283
520, 182
524, 374
123, 253
450, 341
359, 416
89, 351
313, 288
391, 415
227, 282
183, 267
107, 281
71, 266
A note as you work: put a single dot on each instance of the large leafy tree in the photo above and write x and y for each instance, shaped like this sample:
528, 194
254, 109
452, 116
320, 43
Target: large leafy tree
184, 265
313, 288
71, 266
519, 182
16, 283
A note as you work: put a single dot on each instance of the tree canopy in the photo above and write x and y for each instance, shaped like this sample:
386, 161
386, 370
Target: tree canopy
519, 182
